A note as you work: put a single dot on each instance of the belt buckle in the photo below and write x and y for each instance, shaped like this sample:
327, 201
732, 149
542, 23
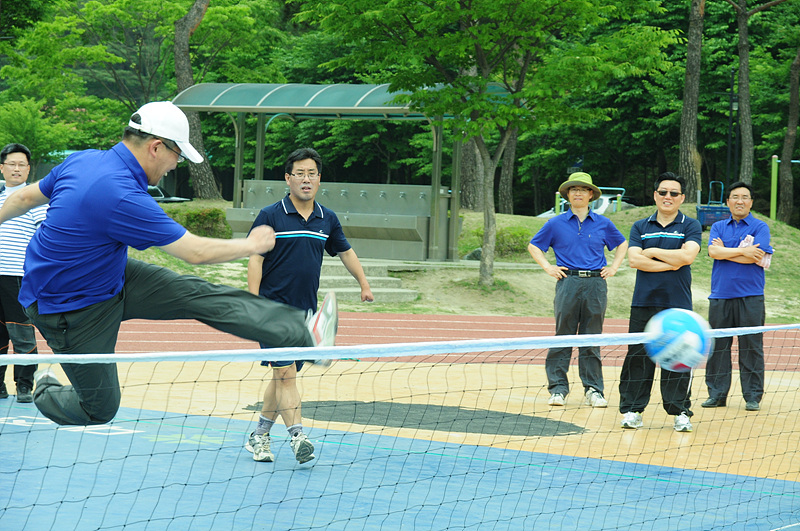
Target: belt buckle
584, 274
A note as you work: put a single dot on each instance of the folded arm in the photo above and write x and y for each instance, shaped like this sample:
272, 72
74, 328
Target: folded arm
742, 255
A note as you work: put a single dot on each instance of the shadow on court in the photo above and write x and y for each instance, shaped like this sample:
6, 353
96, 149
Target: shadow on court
435, 418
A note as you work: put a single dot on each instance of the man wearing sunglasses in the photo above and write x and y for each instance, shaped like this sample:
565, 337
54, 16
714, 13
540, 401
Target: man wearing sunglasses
79, 284
662, 248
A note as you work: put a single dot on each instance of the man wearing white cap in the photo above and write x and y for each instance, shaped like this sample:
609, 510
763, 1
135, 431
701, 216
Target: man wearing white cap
578, 238
79, 284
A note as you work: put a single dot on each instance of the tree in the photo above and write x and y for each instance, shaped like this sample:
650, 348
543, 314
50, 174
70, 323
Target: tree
24, 122
202, 177
497, 65
745, 113
786, 201
689, 166
505, 203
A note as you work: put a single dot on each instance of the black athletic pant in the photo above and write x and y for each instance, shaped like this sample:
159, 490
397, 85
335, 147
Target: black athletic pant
730, 313
150, 292
638, 373
19, 329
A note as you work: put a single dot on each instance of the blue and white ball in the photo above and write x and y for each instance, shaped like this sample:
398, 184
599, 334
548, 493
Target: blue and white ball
678, 340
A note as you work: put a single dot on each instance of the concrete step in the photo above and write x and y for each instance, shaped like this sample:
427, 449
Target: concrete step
382, 295
331, 268
326, 282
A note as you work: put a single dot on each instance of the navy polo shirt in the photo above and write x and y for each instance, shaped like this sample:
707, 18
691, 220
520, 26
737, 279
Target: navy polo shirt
578, 244
99, 206
664, 289
731, 280
291, 270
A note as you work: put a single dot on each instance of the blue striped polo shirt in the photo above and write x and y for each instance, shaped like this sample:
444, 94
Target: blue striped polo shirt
664, 289
291, 270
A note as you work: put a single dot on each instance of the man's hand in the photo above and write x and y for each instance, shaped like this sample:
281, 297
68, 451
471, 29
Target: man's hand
262, 238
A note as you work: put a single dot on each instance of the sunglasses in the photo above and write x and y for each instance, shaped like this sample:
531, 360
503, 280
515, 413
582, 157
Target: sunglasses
662, 193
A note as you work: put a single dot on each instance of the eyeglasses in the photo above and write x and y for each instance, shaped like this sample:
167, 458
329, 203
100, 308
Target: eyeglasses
662, 193
20, 165
181, 158
312, 176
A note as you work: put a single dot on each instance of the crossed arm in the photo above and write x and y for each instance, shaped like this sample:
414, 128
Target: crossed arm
742, 255
656, 259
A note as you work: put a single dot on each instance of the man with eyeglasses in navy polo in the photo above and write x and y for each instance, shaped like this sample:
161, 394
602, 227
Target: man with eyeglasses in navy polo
289, 273
662, 248
578, 238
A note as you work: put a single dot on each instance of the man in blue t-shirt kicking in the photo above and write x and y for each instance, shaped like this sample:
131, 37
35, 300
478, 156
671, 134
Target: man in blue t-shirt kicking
79, 284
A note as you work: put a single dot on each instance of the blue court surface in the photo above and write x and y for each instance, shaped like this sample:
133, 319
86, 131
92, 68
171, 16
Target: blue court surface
151, 470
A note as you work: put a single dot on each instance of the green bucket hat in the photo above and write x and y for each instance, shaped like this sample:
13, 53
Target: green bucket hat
579, 179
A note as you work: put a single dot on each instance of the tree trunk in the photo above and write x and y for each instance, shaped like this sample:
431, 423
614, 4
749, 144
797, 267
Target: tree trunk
203, 182
490, 164
486, 274
688, 167
745, 116
471, 177
786, 186
505, 200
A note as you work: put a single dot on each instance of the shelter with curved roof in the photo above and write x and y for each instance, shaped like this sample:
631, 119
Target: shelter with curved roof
435, 239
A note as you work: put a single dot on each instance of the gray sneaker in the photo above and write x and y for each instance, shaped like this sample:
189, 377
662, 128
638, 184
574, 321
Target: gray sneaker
24, 395
259, 445
324, 324
302, 448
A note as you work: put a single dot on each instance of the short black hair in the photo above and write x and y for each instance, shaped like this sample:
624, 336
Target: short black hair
669, 176
303, 154
740, 184
14, 148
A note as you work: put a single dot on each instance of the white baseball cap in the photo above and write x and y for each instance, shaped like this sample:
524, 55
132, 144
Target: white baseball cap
164, 119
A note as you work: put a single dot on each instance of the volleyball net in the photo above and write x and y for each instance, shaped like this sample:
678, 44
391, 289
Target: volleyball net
426, 435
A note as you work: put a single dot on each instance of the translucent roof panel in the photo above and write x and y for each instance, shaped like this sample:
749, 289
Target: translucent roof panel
301, 101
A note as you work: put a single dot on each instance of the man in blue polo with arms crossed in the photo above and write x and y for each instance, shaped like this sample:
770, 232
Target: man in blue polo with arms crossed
740, 247
578, 238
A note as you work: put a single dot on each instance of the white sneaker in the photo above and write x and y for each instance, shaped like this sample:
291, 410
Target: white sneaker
260, 446
324, 324
595, 399
302, 448
632, 420
556, 399
41, 374
682, 422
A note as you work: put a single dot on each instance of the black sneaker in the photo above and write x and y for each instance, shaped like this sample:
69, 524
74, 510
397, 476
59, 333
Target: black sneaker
3, 390
24, 395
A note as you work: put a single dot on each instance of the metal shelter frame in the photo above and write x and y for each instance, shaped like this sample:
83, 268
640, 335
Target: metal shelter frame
326, 102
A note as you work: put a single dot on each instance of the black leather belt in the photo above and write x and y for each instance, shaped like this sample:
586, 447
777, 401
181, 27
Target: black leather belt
582, 273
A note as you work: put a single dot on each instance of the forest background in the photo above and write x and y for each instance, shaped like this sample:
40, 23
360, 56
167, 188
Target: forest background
622, 89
